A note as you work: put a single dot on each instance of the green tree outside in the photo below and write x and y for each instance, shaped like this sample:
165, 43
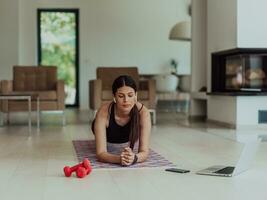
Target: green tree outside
58, 47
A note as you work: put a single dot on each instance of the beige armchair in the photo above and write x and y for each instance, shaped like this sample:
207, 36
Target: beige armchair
39, 81
100, 89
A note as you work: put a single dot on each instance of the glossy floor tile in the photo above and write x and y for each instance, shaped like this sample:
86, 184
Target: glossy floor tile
31, 165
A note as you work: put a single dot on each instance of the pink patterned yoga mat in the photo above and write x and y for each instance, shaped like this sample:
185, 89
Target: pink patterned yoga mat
86, 149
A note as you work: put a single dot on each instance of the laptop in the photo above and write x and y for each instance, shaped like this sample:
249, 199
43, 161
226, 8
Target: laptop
242, 165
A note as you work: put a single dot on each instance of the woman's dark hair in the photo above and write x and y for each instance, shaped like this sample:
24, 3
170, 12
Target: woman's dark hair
119, 82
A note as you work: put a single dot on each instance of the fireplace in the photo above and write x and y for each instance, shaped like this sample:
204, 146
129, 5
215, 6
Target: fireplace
239, 72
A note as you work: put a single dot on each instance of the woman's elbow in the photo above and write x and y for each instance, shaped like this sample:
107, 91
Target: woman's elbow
99, 156
145, 156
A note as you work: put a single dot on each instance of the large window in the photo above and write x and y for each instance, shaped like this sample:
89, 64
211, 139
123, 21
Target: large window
58, 46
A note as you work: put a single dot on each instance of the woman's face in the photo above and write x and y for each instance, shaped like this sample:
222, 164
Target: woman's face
125, 98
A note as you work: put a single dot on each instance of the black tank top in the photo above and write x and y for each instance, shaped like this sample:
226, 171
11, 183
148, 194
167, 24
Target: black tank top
116, 133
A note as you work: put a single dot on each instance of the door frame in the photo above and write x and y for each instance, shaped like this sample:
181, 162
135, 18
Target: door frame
39, 44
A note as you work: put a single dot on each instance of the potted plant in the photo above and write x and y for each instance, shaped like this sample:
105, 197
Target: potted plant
168, 82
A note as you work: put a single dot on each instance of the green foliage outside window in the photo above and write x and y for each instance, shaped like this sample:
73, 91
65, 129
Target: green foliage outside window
58, 44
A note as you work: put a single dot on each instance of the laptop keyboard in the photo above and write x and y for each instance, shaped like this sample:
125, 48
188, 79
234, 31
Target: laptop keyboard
226, 170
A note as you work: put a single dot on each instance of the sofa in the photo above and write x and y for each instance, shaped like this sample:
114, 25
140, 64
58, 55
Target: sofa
40, 82
100, 88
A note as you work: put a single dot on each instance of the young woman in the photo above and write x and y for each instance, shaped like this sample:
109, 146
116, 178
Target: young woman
120, 121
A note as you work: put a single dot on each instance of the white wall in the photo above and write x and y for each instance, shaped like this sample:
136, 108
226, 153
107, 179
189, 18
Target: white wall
222, 109
199, 44
8, 37
114, 33
231, 24
252, 31
221, 35
198, 107
248, 109
252, 26
221, 28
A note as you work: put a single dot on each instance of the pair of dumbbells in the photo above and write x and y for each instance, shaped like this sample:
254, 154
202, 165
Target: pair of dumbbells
82, 169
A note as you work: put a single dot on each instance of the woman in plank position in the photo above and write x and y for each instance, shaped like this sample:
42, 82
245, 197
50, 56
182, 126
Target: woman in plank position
120, 121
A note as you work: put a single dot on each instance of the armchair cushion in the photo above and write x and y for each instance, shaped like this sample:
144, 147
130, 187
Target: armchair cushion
34, 78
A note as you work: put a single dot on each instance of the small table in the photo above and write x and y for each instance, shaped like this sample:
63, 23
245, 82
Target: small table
28, 97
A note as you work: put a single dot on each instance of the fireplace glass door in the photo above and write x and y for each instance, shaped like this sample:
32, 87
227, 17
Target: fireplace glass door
246, 72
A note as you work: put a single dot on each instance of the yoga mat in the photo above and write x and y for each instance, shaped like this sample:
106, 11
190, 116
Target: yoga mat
86, 149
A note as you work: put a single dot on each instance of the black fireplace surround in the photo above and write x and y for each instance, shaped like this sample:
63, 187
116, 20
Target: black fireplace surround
240, 71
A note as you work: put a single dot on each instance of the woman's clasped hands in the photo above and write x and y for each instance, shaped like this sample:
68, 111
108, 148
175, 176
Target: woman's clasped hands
127, 157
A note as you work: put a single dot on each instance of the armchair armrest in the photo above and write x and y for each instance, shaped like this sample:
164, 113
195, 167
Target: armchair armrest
60, 87
6, 86
0, 99
150, 86
95, 91
152, 92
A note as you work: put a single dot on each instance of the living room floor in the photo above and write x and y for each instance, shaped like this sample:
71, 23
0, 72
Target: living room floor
31, 167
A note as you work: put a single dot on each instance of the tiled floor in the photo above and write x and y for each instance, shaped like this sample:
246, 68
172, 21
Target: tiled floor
31, 167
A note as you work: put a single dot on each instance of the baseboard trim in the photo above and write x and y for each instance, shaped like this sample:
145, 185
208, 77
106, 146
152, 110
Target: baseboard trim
197, 118
224, 124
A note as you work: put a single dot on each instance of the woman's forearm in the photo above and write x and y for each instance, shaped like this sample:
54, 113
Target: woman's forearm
142, 156
109, 158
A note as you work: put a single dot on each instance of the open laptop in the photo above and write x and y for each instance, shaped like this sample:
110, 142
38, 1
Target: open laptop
242, 165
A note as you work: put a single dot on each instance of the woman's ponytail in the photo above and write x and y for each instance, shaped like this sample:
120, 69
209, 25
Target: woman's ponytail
135, 126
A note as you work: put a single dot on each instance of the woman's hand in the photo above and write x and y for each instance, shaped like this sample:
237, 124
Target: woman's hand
127, 156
